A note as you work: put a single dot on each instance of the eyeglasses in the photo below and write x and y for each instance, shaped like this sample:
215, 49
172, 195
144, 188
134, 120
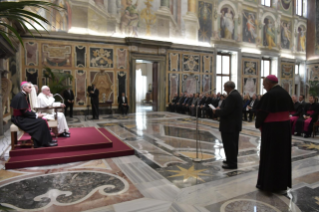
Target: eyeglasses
30, 87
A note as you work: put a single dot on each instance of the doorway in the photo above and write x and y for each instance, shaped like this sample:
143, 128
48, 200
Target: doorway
144, 86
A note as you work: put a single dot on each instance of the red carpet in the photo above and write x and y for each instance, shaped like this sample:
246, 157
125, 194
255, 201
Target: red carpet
84, 144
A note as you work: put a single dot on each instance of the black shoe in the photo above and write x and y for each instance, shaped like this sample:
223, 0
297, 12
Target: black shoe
224, 162
54, 141
67, 133
226, 166
50, 145
64, 135
307, 136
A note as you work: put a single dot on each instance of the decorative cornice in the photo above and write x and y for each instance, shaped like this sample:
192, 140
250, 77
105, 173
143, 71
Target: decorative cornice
149, 43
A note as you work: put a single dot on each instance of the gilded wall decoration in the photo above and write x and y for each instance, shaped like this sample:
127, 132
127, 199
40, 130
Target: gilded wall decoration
207, 64
206, 83
313, 72
301, 39
56, 55
287, 70
31, 54
205, 11
80, 56
173, 85
6, 86
122, 56
191, 83
286, 35
15, 75
249, 85
122, 81
80, 88
250, 67
287, 84
249, 26
173, 62
32, 75
101, 57
191, 63
104, 82
269, 33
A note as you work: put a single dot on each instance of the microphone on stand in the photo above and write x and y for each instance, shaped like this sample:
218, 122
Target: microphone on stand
197, 159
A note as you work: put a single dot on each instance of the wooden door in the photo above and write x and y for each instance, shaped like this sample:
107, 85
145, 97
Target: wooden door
155, 86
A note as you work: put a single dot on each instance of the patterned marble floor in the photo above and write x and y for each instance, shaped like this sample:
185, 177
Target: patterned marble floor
161, 176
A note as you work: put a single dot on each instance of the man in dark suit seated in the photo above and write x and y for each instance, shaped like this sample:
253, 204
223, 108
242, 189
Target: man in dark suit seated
230, 124
192, 106
173, 103
187, 103
251, 108
123, 104
201, 106
178, 106
208, 113
69, 101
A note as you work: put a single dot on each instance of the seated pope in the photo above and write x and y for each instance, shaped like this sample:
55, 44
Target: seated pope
46, 99
29, 121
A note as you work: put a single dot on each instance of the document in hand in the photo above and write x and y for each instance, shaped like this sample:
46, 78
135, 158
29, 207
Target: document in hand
212, 106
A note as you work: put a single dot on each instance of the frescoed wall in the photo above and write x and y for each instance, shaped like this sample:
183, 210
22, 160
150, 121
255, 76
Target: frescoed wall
288, 77
88, 63
250, 72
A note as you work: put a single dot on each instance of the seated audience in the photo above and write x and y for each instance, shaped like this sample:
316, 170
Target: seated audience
123, 104
294, 115
178, 106
173, 103
201, 106
251, 108
193, 105
188, 103
46, 99
310, 115
246, 102
30, 121
208, 113
220, 102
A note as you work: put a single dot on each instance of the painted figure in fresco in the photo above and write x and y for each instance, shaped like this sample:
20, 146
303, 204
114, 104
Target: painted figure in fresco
227, 23
6, 86
250, 69
250, 34
301, 47
130, 19
269, 34
285, 35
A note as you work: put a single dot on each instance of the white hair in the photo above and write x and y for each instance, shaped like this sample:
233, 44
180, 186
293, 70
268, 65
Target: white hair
44, 87
24, 85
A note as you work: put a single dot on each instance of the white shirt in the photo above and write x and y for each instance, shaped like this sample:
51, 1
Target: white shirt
123, 99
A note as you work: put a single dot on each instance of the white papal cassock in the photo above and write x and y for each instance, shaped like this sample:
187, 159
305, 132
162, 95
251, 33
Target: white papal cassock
47, 101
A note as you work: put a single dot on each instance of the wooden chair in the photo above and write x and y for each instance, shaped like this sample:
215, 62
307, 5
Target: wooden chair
14, 129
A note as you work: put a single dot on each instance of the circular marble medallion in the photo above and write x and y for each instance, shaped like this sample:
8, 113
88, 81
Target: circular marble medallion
247, 205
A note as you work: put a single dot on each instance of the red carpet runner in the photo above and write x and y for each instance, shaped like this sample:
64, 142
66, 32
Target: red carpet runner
84, 144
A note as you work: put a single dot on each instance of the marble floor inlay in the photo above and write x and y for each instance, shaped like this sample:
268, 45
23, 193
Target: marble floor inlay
163, 174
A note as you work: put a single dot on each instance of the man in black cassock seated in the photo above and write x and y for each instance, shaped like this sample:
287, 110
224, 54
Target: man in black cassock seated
275, 152
178, 105
188, 103
172, 104
310, 115
123, 104
29, 121
251, 108
295, 115
230, 124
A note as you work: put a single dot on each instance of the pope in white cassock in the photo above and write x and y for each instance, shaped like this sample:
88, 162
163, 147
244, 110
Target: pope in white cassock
46, 99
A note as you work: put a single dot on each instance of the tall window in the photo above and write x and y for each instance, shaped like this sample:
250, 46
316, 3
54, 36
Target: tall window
266, 3
301, 8
222, 72
297, 69
265, 71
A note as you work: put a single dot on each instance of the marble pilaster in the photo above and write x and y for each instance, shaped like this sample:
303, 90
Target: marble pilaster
191, 21
166, 25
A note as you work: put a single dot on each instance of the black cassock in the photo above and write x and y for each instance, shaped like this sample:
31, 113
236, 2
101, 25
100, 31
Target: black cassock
95, 103
275, 152
26, 120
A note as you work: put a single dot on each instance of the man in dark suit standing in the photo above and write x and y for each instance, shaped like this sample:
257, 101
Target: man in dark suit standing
94, 94
230, 124
69, 101
123, 104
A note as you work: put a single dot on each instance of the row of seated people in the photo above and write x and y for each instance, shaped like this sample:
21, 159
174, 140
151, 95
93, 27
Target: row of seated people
249, 106
187, 104
304, 116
